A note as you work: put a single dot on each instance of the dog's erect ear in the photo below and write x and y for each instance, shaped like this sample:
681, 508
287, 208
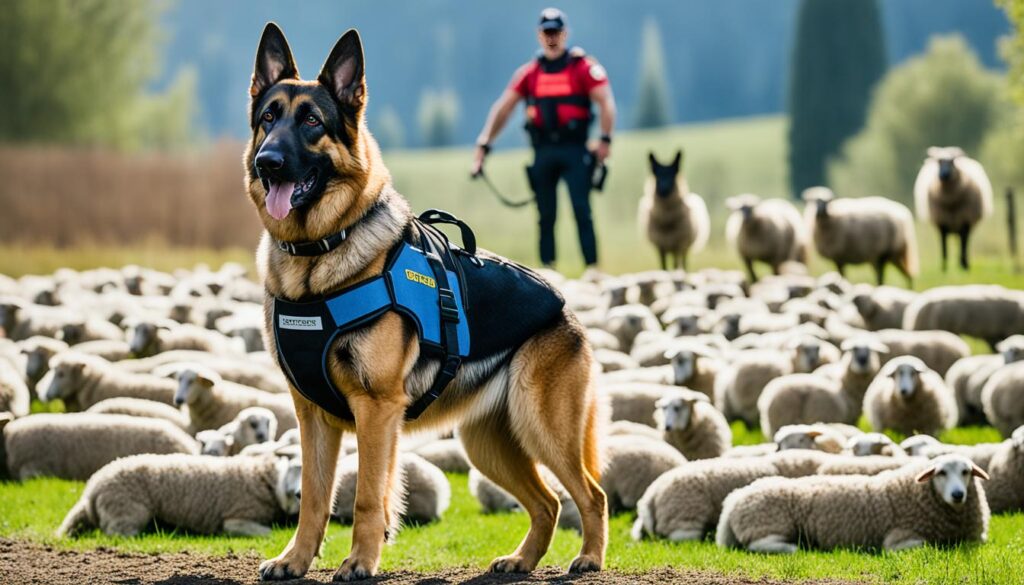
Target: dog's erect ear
342, 73
677, 162
274, 61
652, 160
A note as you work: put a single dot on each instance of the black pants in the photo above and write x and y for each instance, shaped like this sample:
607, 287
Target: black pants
571, 162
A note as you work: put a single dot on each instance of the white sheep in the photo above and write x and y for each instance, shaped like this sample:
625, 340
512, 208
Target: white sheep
634, 402
938, 502
89, 329
882, 307
825, 437
1003, 398
909, 397
673, 219
21, 320
625, 322
447, 454
868, 444
614, 361
1005, 491
74, 446
928, 446
801, 399
872, 230
142, 408
252, 426
14, 394
690, 423
631, 465
83, 380
424, 490
769, 230
937, 349
287, 445
953, 192
208, 495
38, 351
212, 402
152, 337
493, 499
985, 311
242, 369
629, 428
966, 378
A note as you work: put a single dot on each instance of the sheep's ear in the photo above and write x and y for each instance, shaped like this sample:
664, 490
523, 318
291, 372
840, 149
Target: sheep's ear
934, 152
274, 61
733, 204
956, 151
926, 474
848, 344
920, 368
878, 346
978, 472
813, 434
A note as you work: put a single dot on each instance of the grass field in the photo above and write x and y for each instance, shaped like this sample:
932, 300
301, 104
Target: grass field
465, 537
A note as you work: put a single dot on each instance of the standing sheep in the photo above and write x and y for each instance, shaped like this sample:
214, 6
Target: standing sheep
1003, 398
908, 397
769, 231
939, 502
235, 495
673, 219
691, 424
74, 446
985, 311
954, 193
872, 230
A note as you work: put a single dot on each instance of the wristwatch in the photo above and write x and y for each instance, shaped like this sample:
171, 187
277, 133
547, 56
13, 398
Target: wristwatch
606, 138
486, 146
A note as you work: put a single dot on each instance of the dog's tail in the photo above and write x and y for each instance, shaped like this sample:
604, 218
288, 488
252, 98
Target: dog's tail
591, 434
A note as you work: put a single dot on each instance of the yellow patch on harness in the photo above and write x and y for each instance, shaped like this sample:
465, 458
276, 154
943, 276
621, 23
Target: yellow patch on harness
420, 278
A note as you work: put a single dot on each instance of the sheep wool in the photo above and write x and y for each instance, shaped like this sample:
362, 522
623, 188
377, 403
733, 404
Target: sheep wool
910, 398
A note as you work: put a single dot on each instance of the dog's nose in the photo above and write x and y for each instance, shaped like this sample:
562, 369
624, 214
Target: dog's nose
269, 160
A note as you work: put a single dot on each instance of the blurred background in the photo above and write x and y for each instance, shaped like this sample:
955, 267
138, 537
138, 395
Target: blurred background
124, 120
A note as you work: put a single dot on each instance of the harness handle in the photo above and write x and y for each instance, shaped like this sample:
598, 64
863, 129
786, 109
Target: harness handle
432, 216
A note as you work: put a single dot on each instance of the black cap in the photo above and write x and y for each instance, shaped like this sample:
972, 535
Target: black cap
552, 19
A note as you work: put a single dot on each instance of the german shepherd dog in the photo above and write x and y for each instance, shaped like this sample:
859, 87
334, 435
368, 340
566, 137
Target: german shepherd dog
313, 169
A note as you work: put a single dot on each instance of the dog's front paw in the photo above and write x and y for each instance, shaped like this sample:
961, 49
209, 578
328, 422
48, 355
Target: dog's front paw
512, 564
282, 569
585, 564
353, 569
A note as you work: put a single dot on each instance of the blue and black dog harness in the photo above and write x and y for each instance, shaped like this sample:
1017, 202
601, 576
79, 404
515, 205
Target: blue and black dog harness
464, 304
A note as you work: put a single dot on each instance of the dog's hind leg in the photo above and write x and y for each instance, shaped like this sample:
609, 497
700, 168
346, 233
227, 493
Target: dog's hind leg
493, 450
321, 442
554, 414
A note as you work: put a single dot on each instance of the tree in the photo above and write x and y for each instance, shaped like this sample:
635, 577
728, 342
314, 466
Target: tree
838, 56
1013, 47
653, 105
942, 98
438, 117
389, 132
75, 71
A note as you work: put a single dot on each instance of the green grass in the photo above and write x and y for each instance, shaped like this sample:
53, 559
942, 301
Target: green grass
464, 537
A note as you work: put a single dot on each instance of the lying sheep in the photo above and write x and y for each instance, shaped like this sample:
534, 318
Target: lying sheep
112, 350
691, 364
38, 351
83, 380
953, 192
1003, 398
91, 329
74, 446
882, 307
153, 337
212, 402
738, 386
493, 499
868, 444
252, 426
425, 491
631, 465
287, 445
243, 370
985, 311
14, 394
614, 361
938, 502
21, 320
1005, 491
801, 399
629, 428
447, 454
872, 230
627, 321
684, 503
673, 219
862, 358
634, 402
966, 378
142, 408
937, 349
909, 398
928, 446
690, 423
824, 437
769, 231
208, 495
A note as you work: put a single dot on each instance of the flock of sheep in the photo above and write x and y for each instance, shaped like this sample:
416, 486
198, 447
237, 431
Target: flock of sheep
952, 191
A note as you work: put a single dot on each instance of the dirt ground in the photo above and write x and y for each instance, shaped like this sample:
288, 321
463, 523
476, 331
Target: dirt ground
25, 563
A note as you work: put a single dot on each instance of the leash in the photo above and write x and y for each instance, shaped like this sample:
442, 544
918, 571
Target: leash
504, 200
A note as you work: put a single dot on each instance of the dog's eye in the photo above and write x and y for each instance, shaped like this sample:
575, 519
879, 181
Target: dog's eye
268, 116
312, 121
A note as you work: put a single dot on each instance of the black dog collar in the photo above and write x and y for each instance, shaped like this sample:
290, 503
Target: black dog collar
321, 247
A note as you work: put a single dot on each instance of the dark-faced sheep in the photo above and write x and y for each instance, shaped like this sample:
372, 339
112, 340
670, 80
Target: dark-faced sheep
673, 219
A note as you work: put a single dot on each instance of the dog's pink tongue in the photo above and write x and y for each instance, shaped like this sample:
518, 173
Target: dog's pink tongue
279, 200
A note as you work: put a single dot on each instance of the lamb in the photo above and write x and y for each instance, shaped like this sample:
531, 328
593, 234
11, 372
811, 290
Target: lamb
937, 349
252, 426
74, 446
985, 311
208, 495
882, 307
425, 495
908, 397
83, 380
243, 370
1003, 398
954, 193
140, 407
769, 231
684, 503
1005, 491
673, 219
938, 502
871, 230
447, 454
631, 465
212, 402
153, 337
14, 394
691, 424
